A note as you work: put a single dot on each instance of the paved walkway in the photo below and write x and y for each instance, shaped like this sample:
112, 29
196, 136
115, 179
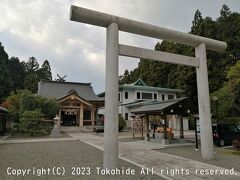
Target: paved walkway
2, 138
165, 165
32, 140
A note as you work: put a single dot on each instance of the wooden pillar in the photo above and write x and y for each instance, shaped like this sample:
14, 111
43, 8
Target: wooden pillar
142, 127
81, 115
181, 127
147, 120
78, 117
93, 115
154, 126
165, 127
59, 119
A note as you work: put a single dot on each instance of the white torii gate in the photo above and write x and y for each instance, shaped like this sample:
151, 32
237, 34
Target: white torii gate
115, 24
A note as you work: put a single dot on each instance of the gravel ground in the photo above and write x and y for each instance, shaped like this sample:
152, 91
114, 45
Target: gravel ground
227, 158
69, 154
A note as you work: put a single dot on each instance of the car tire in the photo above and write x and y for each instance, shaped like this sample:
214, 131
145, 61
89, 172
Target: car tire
221, 143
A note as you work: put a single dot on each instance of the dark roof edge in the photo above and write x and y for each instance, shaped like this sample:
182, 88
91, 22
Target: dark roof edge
149, 103
65, 82
147, 87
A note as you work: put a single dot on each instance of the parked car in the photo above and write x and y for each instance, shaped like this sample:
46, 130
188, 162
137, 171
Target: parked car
224, 134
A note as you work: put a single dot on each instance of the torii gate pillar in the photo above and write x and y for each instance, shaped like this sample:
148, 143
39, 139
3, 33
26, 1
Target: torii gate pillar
204, 103
110, 155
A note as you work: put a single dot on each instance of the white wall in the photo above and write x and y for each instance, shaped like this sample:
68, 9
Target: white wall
132, 96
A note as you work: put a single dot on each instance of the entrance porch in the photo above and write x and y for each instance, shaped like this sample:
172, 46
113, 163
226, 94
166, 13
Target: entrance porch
77, 116
76, 111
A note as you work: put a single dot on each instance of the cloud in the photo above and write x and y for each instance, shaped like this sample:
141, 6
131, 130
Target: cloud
41, 28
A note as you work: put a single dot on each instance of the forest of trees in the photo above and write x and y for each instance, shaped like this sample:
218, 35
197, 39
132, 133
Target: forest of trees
16, 75
18, 86
223, 68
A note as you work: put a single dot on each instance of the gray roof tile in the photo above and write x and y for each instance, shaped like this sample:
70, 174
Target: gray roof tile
155, 105
58, 89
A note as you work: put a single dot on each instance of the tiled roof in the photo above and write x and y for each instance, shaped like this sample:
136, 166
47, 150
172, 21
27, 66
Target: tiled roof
141, 85
150, 88
151, 106
58, 89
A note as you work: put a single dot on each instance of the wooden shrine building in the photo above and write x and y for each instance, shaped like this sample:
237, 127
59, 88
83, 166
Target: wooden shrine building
78, 102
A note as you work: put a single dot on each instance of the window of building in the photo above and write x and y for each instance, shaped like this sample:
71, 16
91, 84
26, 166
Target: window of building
119, 96
126, 95
146, 95
170, 96
155, 95
126, 116
138, 95
87, 115
163, 97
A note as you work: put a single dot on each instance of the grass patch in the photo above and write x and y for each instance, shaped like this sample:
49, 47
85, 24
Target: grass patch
236, 153
230, 152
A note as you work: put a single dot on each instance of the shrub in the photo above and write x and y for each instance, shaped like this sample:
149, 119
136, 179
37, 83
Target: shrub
31, 122
13, 102
28, 111
49, 107
121, 123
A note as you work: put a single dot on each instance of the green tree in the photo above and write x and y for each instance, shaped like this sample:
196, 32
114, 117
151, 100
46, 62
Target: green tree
32, 78
49, 107
45, 71
31, 82
17, 71
196, 21
229, 94
225, 11
181, 77
31, 65
35, 74
20, 75
225, 102
13, 102
30, 103
31, 122
233, 76
5, 76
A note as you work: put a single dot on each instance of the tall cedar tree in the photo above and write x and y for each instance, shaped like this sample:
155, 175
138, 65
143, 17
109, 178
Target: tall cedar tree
16, 75
5, 76
181, 77
35, 74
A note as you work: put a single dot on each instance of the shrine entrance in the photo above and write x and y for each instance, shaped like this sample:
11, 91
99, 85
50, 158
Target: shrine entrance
69, 117
76, 111
113, 25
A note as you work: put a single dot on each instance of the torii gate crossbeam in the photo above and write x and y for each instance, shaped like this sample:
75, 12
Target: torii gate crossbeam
115, 24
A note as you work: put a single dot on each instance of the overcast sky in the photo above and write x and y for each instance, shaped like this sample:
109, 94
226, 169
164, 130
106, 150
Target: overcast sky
41, 28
